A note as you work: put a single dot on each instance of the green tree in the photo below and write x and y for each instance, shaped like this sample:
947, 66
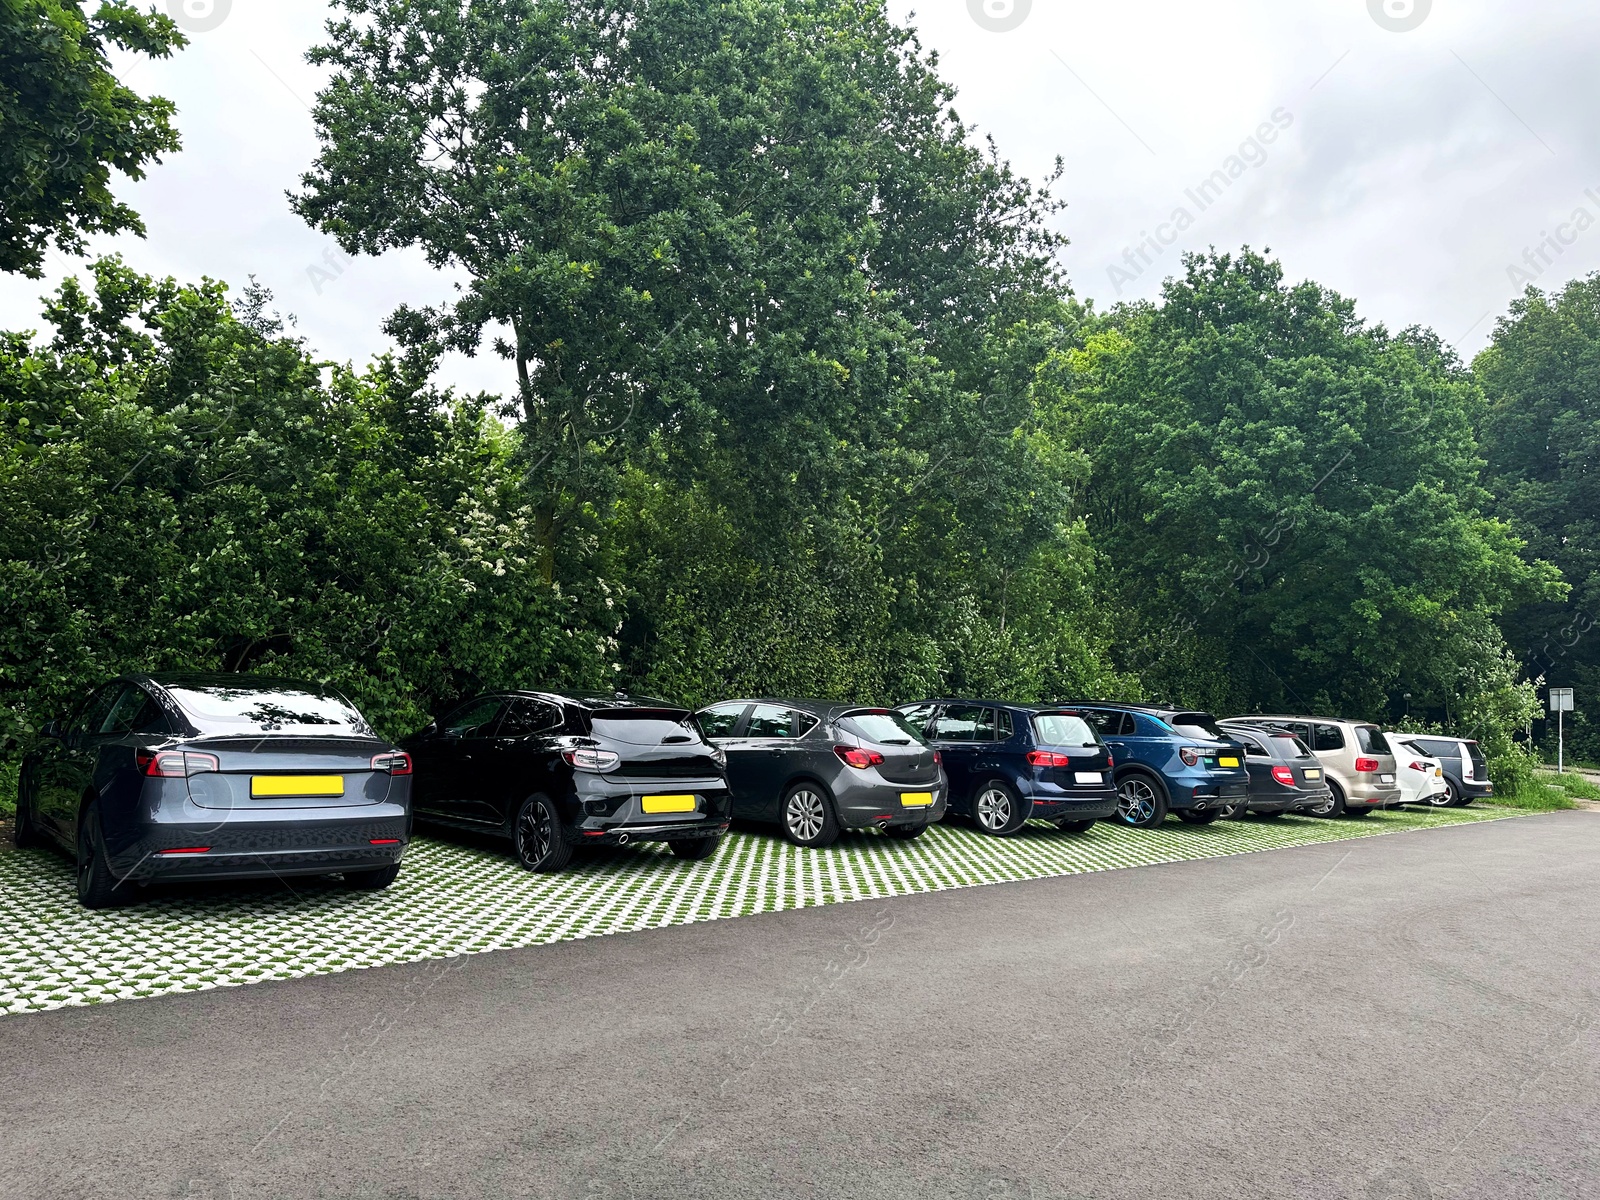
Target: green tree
66, 122
1290, 500
187, 488
1541, 437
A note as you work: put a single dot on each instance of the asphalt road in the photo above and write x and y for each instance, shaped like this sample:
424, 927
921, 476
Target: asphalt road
1395, 1017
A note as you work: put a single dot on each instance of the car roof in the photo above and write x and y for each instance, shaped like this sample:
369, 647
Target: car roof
1015, 704
593, 701
827, 710
1329, 720
264, 683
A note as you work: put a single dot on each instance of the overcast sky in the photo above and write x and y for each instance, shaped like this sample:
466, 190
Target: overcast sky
1411, 168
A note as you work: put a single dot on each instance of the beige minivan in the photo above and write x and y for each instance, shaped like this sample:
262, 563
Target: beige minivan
1359, 762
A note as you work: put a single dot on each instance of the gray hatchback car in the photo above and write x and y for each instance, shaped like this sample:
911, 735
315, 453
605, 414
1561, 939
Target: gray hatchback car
814, 767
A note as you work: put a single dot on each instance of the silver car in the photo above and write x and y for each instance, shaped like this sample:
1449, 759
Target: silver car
814, 767
1361, 769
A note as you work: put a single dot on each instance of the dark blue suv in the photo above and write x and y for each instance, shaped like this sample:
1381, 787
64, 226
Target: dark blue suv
1009, 763
1169, 760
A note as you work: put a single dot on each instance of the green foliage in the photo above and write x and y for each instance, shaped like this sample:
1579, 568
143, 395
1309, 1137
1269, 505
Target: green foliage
1544, 791
1289, 500
66, 122
1541, 437
184, 490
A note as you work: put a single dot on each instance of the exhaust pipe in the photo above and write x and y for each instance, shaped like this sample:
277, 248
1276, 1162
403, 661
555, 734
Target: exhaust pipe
623, 839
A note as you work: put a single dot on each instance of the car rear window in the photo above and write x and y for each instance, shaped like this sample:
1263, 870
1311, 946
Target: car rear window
1370, 740
218, 708
1199, 725
1293, 745
1437, 747
885, 728
1063, 729
643, 729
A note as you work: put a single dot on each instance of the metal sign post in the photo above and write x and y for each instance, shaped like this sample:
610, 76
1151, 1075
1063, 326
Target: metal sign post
1561, 703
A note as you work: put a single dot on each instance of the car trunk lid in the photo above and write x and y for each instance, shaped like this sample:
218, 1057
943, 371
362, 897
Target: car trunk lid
288, 772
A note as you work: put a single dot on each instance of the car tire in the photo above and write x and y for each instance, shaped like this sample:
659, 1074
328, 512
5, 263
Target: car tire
696, 849
1141, 802
372, 881
96, 885
1075, 826
1334, 806
1210, 817
904, 833
1454, 798
539, 837
996, 809
807, 817
24, 835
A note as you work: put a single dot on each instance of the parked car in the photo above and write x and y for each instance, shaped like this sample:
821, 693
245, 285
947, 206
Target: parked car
1420, 777
191, 777
1466, 770
1168, 760
554, 770
1361, 768
1009, 763
1284, 775
814, 767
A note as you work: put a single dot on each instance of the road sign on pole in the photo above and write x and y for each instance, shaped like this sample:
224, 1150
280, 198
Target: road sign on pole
1561, 703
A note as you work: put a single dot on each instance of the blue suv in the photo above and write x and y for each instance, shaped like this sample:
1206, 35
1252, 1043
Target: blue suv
1169, 760
1009, 763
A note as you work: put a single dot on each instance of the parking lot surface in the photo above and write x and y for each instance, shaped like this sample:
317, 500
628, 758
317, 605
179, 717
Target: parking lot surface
1390, 1017
453, 899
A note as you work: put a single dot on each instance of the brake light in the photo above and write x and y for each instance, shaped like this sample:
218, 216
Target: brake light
1423, 767
1048, 758
174, 764
858, 758
587, 759
384, 841
1111, 760
185, 850
1192, 756
1366, 765
1283, 775
938, 759
396, 762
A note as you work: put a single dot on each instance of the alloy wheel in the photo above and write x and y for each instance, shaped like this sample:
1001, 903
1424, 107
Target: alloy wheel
535, 833
804, 815
1136, 801
1446, 798
993, 809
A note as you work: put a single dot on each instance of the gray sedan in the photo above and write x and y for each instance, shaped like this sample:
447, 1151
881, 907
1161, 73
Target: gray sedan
814, 767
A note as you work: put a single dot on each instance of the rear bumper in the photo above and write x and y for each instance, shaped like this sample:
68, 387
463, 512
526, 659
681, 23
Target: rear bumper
1203, 797
1472, 789
1368, 796
245, 846
1052, 803
875, 805
611, 811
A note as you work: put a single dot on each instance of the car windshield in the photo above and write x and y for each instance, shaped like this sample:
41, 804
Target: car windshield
644, 729
1199, 725
1063, 729
885, 728
219, 708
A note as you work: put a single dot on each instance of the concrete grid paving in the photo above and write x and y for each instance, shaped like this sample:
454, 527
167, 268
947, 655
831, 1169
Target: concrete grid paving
453, 899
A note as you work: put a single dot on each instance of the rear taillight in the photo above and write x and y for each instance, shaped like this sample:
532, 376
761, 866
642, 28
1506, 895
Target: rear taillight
185, 850
1111, 761
1423, 767
938, 759
395, 762
1366, 765
587, 759
174, 764
860, 759
1048, 758
1283, 775
1192, 756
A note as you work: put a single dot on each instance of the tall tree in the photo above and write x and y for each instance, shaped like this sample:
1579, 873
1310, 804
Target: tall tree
66, 122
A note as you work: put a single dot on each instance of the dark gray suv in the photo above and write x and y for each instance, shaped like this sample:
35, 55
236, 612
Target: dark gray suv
814, 767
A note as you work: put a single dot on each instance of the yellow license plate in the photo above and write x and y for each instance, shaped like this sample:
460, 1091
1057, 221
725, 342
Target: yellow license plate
1228, 761
916, 799
1313, 772
297, 785
667, 804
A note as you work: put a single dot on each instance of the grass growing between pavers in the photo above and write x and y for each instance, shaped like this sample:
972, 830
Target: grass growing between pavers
454, 899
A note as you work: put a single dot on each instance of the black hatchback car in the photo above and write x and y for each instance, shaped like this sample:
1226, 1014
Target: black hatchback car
552, 771
1285, 776
1008, 763
191, 777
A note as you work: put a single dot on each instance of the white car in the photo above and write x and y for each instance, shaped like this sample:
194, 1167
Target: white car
1420, 777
